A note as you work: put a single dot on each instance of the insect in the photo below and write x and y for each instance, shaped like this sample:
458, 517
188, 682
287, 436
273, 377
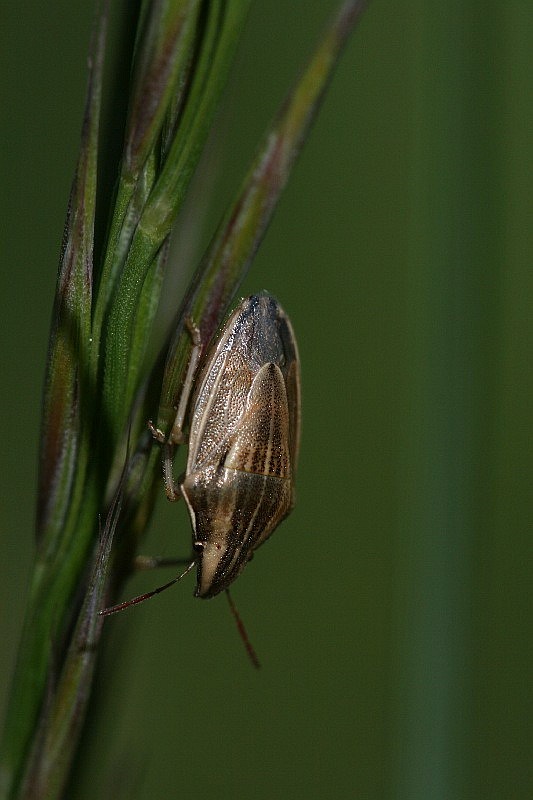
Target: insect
243, 441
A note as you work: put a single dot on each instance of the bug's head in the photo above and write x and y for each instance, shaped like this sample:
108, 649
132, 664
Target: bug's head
217, 566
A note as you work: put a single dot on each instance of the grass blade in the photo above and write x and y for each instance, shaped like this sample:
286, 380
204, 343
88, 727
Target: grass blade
62, 433
233, 247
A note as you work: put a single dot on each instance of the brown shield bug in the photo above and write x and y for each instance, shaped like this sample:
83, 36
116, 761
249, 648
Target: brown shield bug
243, 442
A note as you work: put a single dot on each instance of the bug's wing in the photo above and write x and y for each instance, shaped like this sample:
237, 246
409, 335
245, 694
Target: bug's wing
258, 333
220, 398
291, 373
261, 443
236, 507
268, 339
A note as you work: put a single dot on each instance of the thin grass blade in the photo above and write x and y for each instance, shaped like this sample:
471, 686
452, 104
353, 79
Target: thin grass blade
56, 741
63, 431
233, 247
166, 41
223, 25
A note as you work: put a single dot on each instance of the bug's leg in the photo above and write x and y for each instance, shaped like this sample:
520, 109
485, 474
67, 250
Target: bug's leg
176, 434
157, 433
106, 612
172, 487
252, 655
154, 562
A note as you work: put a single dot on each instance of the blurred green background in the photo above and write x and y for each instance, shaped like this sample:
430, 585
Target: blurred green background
392, 610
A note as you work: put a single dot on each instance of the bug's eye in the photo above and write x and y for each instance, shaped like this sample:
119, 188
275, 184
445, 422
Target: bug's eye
198, 547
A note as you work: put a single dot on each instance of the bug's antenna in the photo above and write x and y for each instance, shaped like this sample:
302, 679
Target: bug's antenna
106, 612
242, 632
